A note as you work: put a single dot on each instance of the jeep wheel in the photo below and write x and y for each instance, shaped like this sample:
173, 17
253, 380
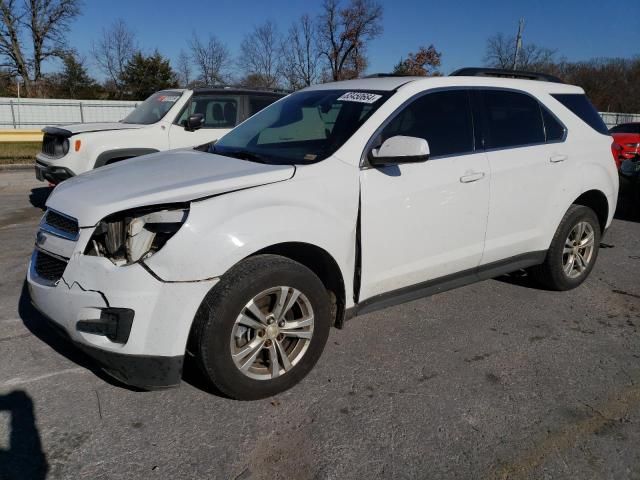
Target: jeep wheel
262, 328
573, 250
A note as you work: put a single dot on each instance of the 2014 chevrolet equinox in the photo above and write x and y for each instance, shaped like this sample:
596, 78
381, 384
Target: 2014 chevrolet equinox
336, 200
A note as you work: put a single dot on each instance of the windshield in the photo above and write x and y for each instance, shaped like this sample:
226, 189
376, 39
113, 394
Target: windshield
153, 108
304, 127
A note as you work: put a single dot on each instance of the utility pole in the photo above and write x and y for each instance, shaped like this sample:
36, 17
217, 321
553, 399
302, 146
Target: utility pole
518, 44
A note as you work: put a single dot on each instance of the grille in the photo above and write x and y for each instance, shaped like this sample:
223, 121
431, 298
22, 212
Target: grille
48, 267
62, 223
49, 145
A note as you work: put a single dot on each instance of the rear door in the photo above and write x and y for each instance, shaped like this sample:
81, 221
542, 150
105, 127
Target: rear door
221, 113
423, 221
529, 163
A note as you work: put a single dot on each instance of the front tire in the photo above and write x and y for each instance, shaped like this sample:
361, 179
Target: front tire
573, 250
262, 328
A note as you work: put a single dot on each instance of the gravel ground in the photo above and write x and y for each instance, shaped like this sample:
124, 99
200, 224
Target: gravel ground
495, 380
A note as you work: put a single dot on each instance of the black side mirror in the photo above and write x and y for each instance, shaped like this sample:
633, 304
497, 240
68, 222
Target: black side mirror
194, 122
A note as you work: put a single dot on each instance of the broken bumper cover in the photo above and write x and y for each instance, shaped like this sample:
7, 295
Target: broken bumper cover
51, 173
162, 312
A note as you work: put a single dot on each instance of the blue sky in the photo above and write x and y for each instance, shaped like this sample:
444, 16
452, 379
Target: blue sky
578, 29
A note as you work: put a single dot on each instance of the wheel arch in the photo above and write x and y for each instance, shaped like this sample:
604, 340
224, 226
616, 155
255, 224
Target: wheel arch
320, 262
121, 154
597, 201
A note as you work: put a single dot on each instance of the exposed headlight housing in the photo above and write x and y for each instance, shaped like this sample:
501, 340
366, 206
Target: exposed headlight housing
65, 147
130, 236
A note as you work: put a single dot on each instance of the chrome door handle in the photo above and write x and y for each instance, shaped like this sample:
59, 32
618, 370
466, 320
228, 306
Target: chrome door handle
471, 177
558, 158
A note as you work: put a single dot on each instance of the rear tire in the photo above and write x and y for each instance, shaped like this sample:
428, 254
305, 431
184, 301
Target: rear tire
262, 328
573, 251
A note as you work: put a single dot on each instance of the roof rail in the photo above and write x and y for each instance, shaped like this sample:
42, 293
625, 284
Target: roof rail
241, 87
386, 75
503, 73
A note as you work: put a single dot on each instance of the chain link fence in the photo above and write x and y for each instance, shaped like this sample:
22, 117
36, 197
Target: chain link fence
32, 113
612, 119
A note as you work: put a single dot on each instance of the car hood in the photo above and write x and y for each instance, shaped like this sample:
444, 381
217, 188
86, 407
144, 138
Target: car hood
159, 178
76, 128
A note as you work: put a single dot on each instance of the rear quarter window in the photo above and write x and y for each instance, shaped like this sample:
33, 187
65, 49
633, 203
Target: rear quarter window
580, 105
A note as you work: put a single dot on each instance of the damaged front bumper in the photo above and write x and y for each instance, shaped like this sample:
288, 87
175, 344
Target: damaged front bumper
132, 323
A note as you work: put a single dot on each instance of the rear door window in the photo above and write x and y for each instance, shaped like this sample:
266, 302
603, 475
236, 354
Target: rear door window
443, 119
512, 119
553, 129
580, 105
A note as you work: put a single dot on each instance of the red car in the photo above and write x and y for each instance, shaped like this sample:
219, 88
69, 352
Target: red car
627, 136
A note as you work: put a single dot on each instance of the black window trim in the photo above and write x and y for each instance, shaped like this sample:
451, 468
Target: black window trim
560, 122
540, 106
364, 162
478, 125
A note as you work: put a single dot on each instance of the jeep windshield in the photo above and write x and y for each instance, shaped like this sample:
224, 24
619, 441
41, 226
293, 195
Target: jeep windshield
304, 127
154, 108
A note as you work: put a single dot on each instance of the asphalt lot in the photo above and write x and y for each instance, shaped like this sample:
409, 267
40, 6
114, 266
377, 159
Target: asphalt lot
494, 380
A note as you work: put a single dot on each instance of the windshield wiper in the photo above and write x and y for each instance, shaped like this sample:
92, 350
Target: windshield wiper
241, 154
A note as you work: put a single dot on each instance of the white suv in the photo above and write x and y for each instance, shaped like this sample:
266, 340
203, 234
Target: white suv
335, 201
166, 120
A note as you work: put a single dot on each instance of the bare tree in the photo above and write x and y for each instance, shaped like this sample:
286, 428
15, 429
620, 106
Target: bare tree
183, 69
212, 60
501, 51
300, 55
113, 51
45, 23
260, 55
344, 32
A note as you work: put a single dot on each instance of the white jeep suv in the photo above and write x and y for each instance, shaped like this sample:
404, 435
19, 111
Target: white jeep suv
334, 201
166, 120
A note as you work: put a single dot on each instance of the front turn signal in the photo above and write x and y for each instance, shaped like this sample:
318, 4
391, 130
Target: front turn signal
77, 145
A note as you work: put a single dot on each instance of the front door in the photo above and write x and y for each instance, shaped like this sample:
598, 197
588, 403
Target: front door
422, 221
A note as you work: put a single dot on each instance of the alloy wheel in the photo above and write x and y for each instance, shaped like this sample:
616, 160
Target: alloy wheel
578, 250
272, 333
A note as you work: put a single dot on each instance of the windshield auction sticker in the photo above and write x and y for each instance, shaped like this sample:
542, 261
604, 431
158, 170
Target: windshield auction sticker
360, 97
168, 98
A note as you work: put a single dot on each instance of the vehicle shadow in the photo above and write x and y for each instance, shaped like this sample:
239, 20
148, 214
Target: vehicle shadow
24, 458
38, 196
628, 201
520, 278
192, 375
42, 328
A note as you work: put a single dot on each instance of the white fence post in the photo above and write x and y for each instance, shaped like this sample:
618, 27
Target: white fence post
13, 114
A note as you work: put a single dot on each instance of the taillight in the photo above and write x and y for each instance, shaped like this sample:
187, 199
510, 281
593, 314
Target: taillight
616, 151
